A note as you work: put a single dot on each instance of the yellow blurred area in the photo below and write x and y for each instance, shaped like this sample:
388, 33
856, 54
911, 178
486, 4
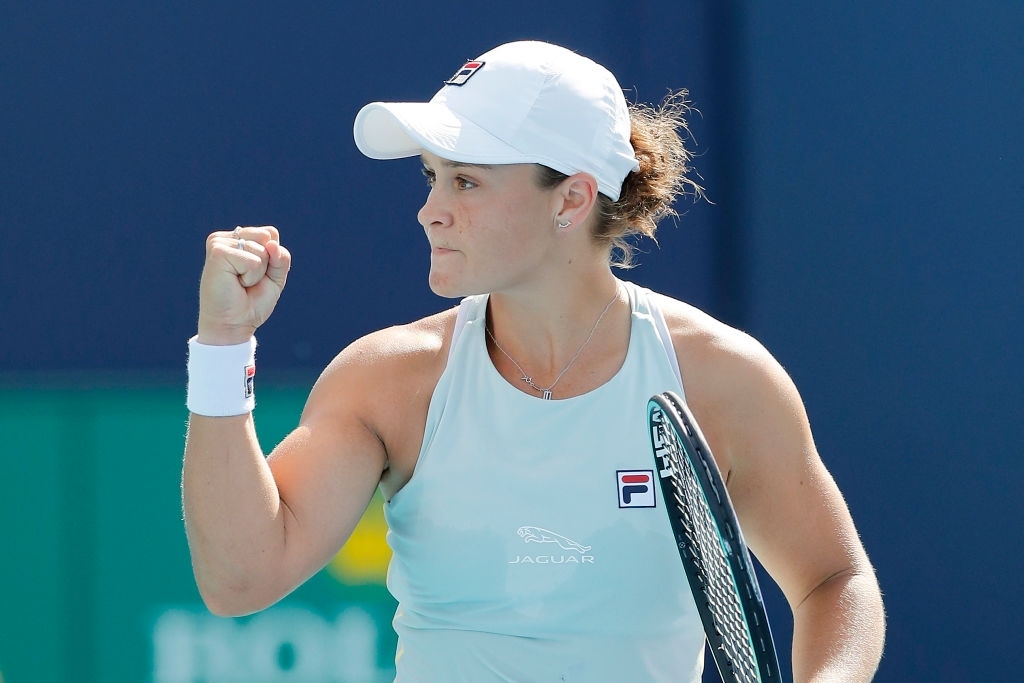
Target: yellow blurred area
364, 559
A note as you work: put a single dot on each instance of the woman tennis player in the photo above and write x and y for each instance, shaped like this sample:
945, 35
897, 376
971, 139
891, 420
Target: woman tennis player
509, 434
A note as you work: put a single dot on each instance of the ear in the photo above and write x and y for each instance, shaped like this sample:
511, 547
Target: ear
577, 196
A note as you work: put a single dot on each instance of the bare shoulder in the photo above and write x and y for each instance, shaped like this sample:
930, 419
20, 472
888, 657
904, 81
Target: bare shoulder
384, 382
710, 346
389, 364
732, 383
399, 347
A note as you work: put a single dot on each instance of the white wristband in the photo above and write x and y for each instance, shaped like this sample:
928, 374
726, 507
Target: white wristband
220, 378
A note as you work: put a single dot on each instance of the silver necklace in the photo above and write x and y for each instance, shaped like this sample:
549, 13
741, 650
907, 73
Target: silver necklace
546, 393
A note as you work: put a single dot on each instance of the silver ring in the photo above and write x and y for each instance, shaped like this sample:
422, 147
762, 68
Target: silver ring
241, 244
234, 233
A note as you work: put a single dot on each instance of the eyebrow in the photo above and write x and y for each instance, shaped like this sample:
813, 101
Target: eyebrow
460, 164
457, 164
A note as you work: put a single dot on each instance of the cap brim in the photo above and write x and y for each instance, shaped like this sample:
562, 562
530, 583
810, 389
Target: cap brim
392, 130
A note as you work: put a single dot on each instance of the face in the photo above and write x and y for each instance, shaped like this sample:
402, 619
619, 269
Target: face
489, 227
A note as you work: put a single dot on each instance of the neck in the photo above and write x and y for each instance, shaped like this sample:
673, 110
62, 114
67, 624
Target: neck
555, 336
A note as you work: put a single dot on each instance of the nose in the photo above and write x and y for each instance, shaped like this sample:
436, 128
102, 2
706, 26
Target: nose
434, 212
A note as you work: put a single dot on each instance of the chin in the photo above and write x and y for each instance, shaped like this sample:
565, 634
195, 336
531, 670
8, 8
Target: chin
445, 288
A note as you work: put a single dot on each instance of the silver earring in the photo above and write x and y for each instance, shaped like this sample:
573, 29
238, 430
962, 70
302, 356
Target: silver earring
564, 225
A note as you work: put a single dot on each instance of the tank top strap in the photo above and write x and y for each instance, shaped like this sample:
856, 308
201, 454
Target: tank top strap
643, 302
470, 308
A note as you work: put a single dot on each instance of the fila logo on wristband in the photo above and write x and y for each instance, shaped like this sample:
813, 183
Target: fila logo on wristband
250, 380
213, 380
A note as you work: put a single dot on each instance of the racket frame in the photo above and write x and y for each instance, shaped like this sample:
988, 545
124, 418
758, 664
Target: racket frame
668, 411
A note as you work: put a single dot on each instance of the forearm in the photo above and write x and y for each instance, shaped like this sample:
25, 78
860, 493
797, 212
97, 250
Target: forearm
234, 518
839, 630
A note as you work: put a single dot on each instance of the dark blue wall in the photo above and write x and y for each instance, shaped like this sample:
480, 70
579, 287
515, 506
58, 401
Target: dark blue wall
865, 160
128, 134
884, 172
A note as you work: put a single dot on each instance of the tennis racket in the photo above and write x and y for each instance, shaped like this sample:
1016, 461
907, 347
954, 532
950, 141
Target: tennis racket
711, 546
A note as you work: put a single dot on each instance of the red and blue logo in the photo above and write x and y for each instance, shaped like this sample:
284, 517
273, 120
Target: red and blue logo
465, 73
636, 488
250, 378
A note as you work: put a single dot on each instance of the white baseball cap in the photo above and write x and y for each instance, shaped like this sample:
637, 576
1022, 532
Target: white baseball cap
522, 102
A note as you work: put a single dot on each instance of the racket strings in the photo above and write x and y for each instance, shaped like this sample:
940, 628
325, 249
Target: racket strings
752, 592
700, 539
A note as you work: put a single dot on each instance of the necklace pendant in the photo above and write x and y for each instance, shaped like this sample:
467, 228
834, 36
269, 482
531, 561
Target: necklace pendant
546, 395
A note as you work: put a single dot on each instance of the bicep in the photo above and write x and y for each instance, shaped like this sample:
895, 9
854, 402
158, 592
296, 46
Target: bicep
792, 512
326, 471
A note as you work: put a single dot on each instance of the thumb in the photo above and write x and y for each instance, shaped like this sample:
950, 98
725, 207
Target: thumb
279, 262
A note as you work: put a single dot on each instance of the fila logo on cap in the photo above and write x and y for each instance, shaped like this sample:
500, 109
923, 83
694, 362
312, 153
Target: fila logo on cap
636, 488
465, 73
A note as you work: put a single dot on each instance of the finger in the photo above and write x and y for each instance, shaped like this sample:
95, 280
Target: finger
249, 246
258, 233
279, 262
254, 259
249, 267
247, 259
228, 247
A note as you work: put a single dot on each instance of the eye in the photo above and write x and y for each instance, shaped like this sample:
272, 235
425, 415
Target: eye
429, 176
464, 183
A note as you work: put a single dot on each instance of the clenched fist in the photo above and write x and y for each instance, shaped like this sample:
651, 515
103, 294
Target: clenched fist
244, 274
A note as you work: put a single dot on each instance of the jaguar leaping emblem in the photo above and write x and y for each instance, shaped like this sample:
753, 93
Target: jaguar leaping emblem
534, 534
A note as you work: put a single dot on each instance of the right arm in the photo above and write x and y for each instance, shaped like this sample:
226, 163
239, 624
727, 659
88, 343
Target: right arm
258, 527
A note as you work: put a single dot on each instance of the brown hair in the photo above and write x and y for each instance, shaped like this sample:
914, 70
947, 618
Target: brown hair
648, 194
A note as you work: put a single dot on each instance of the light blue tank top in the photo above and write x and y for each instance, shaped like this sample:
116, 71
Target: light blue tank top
531, 543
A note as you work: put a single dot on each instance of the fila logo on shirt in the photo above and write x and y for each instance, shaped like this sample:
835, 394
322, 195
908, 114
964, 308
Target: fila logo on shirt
636, 488
465, 73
